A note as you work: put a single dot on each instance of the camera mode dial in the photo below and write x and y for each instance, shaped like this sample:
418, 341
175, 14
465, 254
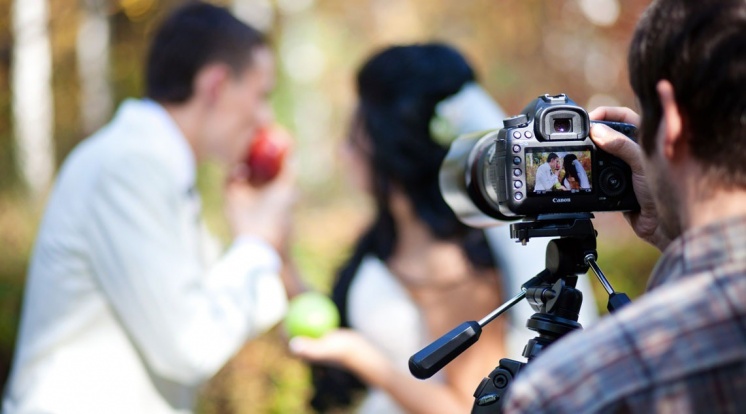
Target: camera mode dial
516, 121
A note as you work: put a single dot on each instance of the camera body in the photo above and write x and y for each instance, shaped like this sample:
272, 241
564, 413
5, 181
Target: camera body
542, 161
537, 178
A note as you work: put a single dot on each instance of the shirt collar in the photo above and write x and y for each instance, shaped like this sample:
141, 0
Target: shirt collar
159, 126
701, 249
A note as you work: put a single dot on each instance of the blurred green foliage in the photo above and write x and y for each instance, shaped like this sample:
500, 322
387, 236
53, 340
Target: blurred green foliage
18, 223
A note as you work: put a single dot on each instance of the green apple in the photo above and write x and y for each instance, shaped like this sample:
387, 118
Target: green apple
311, 314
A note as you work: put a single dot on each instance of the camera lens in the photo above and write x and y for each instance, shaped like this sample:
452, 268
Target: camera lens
562, 124
612, 181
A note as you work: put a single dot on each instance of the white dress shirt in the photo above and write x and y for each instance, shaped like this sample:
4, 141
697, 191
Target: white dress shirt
545, 178
125, 308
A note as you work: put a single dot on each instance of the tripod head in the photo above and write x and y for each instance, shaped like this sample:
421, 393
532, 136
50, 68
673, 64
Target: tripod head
551, 294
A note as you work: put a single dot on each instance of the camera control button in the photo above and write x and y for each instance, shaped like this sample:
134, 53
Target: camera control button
518, 184
518, 196
516, 148
517, 134
517, 172
528, 134
516, 160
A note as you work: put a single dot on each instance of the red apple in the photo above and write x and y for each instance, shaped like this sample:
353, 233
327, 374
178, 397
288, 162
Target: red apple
266, 155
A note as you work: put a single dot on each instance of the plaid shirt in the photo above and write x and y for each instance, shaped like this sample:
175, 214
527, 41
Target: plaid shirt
680, 348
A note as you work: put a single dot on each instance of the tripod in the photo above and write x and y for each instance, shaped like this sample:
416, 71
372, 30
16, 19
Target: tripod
551, 293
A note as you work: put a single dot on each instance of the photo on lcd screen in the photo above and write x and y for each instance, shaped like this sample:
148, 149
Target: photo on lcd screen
559, 170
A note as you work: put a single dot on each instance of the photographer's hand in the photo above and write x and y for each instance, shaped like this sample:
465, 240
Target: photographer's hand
645, 222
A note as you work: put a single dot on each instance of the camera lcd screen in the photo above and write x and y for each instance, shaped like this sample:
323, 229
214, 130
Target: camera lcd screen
558, 170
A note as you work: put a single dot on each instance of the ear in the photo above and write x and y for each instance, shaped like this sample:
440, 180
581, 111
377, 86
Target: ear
209, 82
672, 124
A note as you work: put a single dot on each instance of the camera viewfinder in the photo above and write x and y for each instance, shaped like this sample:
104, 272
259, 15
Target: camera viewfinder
563, 125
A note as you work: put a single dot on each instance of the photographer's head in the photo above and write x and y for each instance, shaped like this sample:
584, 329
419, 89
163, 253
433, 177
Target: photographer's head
700, 48
215, 70
687, 64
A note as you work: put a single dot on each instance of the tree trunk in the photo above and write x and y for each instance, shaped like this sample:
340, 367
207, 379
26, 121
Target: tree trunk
93, 43
31, 86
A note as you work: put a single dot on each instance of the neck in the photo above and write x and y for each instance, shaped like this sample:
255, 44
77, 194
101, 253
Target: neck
712, 205
189, 120
411, 232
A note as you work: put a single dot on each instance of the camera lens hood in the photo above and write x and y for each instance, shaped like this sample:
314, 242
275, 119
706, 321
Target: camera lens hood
467, 180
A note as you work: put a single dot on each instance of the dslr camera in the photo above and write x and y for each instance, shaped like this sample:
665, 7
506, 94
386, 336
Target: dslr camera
542, 161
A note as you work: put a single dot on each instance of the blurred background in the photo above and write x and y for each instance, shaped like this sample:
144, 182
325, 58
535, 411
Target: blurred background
66, 64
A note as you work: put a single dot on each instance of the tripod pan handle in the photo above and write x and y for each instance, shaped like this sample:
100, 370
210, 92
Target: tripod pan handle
425, 363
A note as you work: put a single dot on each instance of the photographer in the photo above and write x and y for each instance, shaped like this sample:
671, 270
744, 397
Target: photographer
682, 346
126, 309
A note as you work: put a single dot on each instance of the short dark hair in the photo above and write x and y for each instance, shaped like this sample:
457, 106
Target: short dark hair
195, 35
700, 47
552, 156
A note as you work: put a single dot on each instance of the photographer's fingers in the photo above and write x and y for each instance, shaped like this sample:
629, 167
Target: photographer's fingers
645, 222
616, 143
615, 114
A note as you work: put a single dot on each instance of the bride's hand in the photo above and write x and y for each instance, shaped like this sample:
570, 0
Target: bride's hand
346, 348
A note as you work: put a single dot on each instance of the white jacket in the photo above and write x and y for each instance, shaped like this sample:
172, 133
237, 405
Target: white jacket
124, 309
